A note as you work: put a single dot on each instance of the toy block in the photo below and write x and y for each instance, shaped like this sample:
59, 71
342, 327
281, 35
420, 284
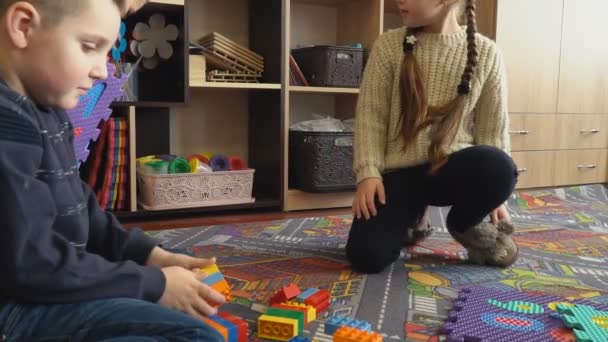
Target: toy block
241, 326
589, 324
277, 328
210, 269
286, 293
215, 279
297, 315
336, 322
230, 327
300, 339
303, 310
486, 314
348, 334
215, 325
319, 300
312, 312
301, 298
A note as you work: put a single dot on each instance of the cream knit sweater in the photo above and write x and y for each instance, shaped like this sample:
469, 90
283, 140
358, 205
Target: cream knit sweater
442, 59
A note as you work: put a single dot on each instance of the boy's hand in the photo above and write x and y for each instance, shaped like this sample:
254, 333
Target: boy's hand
161, 258
185, 292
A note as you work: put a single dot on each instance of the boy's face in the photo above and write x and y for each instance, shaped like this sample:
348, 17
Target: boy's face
61, 62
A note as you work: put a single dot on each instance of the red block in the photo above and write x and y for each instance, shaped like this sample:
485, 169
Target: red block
293, 308
241, 325
285, 294
319, 301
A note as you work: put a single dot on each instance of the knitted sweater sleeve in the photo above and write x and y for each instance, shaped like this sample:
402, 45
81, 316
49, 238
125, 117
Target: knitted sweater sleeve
491, 112
372, 113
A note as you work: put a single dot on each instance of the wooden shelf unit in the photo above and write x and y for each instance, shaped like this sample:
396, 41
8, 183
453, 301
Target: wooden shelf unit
253, 120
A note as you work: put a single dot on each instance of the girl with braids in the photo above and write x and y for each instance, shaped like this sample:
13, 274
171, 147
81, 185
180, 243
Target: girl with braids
431, 129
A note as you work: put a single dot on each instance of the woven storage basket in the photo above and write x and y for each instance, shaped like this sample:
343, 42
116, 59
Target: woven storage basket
191, 190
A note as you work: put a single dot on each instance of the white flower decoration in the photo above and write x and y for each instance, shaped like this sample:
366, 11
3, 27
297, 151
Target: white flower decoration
411, 39
152, 39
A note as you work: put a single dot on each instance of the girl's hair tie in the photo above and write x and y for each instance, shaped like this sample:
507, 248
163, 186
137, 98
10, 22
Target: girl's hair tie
409, 43
464, 88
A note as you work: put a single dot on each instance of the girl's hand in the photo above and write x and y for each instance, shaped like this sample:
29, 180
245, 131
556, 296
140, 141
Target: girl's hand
364, 202
500, 214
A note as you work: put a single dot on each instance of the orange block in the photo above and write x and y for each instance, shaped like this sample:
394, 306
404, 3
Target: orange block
220, 328
348, 334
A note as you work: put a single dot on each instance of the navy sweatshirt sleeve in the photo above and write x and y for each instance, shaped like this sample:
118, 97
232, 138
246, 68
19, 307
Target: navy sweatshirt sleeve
107, 237
36, 262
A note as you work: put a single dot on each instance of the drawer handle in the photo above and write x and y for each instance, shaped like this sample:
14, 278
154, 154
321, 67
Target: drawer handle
522, 170
586, 166
589, 131
524, 132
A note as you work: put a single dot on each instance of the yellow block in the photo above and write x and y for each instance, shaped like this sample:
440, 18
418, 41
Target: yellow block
210, 269
312, 312
277, 328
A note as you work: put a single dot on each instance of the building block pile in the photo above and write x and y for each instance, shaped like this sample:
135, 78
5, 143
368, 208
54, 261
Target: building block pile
290, 311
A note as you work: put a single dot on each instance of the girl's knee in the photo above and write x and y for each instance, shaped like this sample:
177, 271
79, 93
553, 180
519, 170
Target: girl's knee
364, 259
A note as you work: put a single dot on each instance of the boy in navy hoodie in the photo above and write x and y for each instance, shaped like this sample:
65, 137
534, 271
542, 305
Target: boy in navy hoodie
69, 270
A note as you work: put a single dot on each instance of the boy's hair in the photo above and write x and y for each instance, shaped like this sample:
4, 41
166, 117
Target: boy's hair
52, 11
445, 120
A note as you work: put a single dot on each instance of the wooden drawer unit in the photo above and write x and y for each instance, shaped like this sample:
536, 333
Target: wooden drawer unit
580, 167
581, 131
535, 168
532, 132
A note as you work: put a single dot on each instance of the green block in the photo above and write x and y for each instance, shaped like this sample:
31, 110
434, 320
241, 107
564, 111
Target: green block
297, 315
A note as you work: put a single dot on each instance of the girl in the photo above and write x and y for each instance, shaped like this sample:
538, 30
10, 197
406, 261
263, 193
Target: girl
431, 129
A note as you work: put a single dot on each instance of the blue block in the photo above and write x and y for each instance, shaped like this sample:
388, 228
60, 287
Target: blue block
213, 278
300, 339
302, 296
233, 330
335, 322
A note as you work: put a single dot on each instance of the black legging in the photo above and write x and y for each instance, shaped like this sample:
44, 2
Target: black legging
475, 181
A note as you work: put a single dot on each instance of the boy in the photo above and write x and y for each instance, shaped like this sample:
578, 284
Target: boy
69, 270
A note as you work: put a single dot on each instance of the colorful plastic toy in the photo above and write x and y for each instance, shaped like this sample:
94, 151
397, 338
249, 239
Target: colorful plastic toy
320, 300
301, 298
485, 314
241, 326
285, 294
589, 324
306, 311
93, 108
300, 339
336, 322
348, 334
287, 313
277, 328
215, 279
311, 311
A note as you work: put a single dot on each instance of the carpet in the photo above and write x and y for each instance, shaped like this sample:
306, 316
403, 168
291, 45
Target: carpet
562, 233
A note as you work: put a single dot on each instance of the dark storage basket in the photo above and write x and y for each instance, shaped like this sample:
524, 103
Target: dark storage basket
330, 66
321, 161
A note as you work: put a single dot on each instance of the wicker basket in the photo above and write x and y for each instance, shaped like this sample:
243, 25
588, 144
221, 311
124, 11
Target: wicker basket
321, 161
331, 66
192, 190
